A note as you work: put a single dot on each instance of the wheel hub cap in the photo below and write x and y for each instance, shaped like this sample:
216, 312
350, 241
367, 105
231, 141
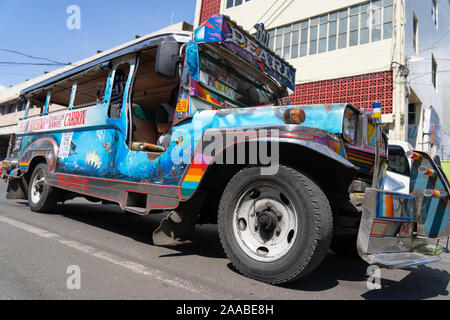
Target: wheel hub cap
265, 222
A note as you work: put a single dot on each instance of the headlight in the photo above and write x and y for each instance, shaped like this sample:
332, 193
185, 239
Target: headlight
349, 125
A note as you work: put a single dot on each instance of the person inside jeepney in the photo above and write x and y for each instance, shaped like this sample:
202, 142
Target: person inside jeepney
164, 118
144, 130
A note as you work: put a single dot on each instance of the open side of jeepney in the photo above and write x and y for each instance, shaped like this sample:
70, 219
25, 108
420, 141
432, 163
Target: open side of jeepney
277, 212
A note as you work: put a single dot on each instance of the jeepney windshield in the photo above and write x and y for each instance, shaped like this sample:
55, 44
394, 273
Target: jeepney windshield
230, 87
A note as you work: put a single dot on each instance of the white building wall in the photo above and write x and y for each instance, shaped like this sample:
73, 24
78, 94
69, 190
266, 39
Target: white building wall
375, 57
274, 13
361, 59
432, 41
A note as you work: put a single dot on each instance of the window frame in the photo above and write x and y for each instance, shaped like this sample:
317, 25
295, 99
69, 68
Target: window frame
434, 72
435, 13
228, 4
415, 33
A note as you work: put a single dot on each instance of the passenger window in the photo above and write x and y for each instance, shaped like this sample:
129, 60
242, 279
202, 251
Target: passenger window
118, 90
149, 91
90, 88
60, 95
37, 100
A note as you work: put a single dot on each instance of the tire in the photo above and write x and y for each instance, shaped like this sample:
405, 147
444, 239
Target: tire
251, 204
41, 196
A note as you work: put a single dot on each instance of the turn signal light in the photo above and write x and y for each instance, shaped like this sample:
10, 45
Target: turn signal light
413, 155
435, 194
426, 171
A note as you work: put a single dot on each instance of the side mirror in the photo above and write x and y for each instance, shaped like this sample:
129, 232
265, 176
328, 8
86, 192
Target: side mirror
167, 59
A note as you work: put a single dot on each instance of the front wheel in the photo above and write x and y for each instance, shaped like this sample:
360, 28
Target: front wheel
275, 228
41, 196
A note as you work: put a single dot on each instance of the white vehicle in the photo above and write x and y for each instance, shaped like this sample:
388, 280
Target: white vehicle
399, 167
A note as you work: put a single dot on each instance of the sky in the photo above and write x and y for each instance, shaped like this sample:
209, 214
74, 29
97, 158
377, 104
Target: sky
39, 29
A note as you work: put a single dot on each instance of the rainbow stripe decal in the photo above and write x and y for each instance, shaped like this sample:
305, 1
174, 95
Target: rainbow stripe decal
194, 174
388, 202
391, 206
362, 158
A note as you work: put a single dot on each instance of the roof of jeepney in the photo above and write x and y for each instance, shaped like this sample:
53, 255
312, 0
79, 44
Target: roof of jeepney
179, 32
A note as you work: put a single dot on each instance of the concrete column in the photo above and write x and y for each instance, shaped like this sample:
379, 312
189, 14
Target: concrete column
198, 11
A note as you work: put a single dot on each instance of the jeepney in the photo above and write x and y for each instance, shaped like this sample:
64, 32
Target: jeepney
281, 181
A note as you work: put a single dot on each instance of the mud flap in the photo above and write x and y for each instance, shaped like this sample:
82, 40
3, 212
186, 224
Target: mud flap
387, 234
177, 228
17, 188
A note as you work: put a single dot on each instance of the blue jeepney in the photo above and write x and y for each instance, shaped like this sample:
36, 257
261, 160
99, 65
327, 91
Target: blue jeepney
282, 182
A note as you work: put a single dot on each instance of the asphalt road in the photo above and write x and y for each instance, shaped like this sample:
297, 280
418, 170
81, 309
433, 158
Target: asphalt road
117, 260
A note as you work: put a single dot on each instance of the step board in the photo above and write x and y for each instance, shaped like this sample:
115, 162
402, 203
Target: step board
137, 210
397, 260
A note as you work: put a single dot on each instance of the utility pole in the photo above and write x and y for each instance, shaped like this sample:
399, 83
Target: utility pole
399, 67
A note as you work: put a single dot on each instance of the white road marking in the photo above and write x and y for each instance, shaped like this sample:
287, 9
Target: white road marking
130, 265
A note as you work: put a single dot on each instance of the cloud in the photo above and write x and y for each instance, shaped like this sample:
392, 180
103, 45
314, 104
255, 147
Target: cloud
2, 87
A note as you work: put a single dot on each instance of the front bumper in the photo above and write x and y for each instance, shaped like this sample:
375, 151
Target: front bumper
388, 234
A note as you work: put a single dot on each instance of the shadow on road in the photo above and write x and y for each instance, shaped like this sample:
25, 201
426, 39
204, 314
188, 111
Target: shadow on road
333, 269
422, 282
140, 228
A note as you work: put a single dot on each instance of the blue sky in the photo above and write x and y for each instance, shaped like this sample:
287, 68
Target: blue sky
38, 28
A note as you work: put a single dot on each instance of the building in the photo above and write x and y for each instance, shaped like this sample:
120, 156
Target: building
396, 52
12, 109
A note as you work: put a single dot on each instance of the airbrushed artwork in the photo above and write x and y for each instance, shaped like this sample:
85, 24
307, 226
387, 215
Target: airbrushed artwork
282, 181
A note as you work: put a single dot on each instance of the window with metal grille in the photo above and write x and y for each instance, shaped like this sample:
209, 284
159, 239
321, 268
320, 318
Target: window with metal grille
234, 3
352, 26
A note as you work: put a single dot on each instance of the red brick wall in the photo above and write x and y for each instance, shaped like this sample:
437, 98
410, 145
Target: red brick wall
209, 8
360, 90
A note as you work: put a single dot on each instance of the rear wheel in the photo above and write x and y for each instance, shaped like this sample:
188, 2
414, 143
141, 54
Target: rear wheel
41, 196
274, 228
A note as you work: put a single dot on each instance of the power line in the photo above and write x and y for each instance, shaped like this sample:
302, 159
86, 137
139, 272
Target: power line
283, 10
276, 10
267, 10
10, 63
426, 73
32, 57
428, 84
438, 40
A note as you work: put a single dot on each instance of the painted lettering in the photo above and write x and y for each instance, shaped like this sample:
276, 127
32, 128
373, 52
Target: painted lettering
73, 182
260, 54
75, 118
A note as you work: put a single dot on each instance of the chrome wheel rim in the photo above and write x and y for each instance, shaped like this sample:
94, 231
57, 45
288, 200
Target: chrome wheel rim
265, 222
37, 187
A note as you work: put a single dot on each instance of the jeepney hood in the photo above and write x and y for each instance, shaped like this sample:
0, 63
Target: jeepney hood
325, 117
